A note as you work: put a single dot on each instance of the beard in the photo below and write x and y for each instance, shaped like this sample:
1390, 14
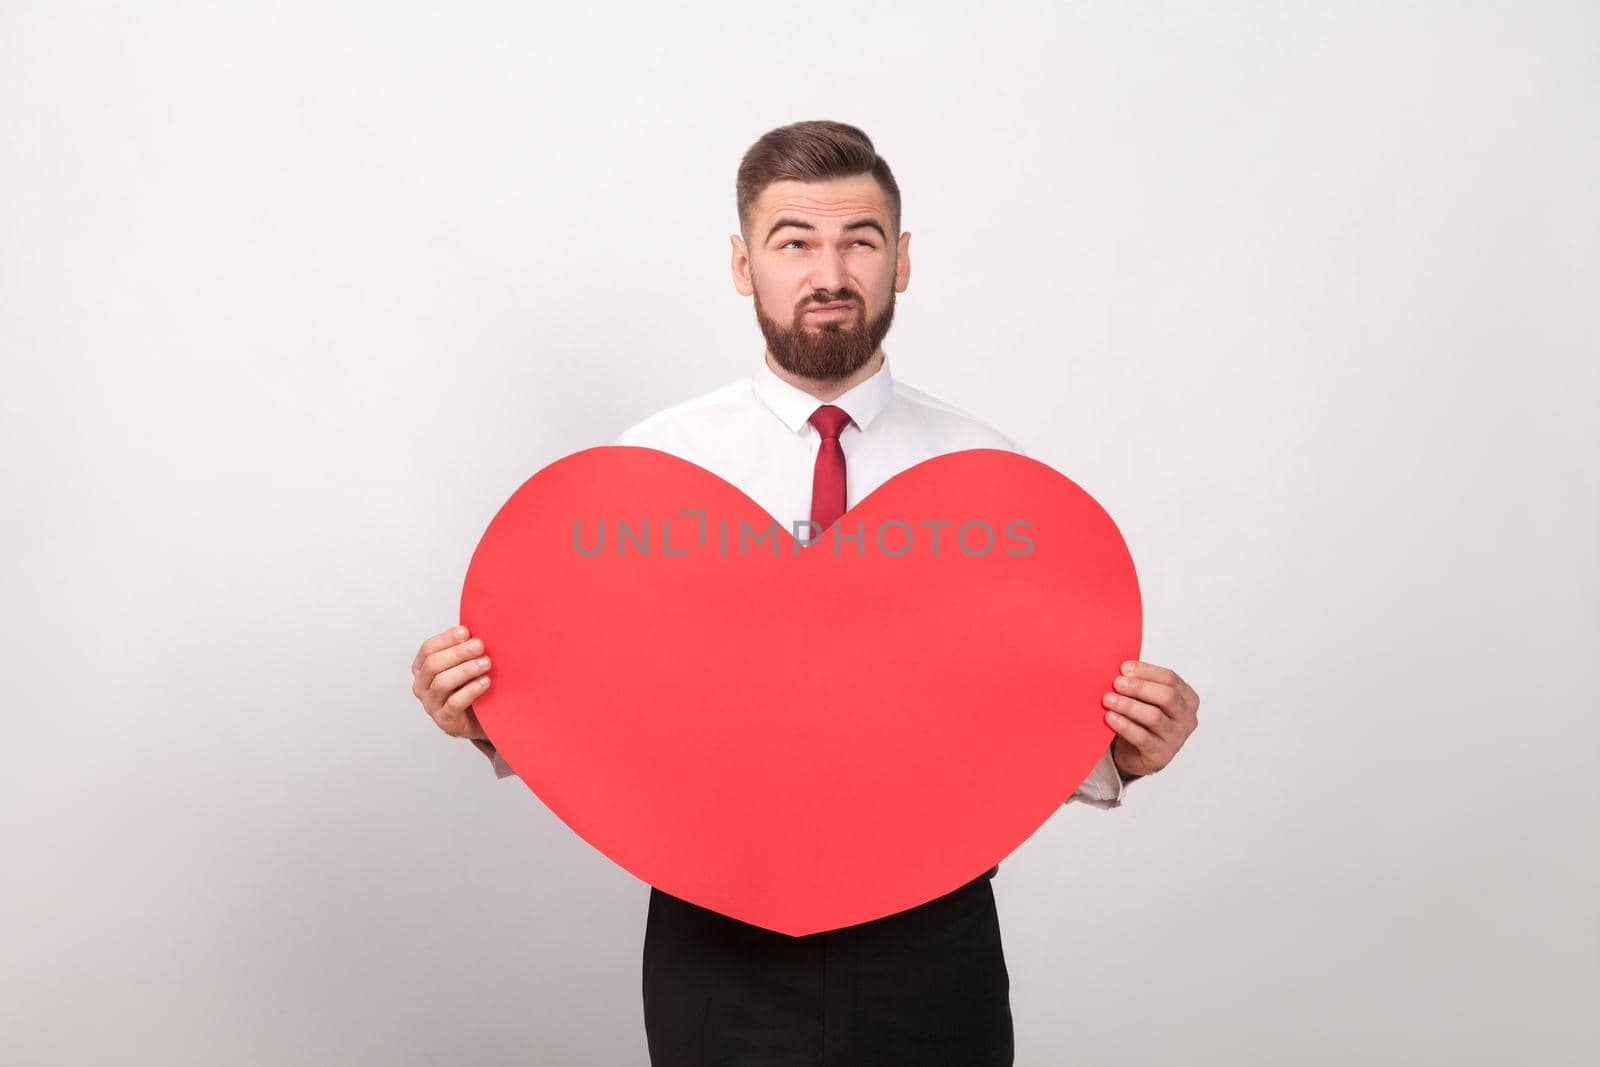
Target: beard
832, 349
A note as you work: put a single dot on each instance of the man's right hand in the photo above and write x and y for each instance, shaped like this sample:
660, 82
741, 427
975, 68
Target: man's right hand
447, 675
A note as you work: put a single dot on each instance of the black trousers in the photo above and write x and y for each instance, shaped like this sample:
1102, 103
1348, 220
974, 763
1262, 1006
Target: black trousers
926, 986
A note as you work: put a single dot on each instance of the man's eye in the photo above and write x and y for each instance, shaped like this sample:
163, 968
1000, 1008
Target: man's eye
795, 241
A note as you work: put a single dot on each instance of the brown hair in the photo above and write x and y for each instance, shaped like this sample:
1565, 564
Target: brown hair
811, 151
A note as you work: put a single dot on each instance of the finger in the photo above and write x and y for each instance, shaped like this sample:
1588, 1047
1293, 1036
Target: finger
456, 717
442, 639
1188, 702
446, 683
1138, 668
425, 680
446, 658
436, 680
1153, 719
1161, 695
1148, 744
1191, 698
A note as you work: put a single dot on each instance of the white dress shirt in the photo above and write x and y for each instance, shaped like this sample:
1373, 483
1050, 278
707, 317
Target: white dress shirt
755, 434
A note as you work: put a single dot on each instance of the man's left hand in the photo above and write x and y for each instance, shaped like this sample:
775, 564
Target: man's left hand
1153, 712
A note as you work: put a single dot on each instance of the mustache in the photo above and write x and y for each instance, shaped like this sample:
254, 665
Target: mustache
839, 297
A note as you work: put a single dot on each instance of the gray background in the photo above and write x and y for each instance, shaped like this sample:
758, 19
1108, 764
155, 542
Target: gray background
292, 297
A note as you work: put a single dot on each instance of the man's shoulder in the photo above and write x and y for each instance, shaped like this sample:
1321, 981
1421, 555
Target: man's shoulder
956, 426
708, 409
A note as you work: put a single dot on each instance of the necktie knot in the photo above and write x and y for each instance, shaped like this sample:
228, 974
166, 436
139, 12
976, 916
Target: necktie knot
830, 421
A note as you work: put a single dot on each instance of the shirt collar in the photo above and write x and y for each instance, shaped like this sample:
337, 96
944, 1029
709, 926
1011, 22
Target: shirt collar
794, 406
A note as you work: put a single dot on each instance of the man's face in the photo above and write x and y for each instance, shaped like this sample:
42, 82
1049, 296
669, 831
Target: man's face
824, 269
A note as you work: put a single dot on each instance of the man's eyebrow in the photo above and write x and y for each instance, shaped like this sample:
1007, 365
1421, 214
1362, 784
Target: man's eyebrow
858, 224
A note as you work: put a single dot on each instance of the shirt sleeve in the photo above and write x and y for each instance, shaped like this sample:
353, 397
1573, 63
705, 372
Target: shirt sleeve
1104, 786
502, 769
1016, 446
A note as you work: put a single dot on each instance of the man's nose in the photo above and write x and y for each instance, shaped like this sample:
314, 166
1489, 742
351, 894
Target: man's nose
827, 270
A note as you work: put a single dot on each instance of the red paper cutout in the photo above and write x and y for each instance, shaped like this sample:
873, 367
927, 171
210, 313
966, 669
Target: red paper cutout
816, 739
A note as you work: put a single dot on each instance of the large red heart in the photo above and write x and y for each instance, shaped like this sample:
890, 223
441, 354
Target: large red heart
817, 736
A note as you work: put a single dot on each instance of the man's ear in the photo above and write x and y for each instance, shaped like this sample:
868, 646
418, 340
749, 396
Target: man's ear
902, 263
741, 267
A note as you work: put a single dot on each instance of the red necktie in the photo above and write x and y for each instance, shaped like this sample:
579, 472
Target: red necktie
827, 482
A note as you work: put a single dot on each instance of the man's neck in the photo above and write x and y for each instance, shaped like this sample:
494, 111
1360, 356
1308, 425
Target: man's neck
823, 390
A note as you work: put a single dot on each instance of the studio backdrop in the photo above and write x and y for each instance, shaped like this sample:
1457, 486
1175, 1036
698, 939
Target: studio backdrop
294, 296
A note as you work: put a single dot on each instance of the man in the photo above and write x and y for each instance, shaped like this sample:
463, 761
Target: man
819, 425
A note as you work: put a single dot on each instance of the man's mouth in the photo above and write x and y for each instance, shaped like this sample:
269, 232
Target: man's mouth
837, 308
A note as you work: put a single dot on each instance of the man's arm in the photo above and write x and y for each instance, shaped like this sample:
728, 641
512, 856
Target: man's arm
1153, 712
1105, 784
502, 769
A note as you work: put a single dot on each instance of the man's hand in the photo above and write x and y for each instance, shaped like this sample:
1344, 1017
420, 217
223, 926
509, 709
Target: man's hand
447, 675
1153, 712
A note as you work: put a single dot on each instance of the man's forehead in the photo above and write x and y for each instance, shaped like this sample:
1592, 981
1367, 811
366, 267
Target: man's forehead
830, 200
